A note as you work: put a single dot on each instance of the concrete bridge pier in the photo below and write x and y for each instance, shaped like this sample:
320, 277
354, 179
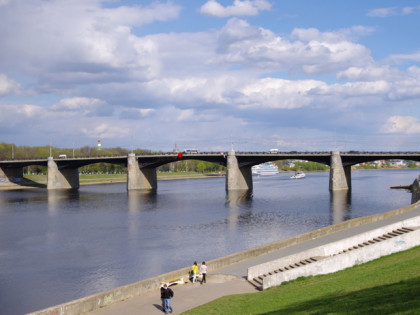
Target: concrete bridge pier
237, 178
64, 178
140, 178
340, 176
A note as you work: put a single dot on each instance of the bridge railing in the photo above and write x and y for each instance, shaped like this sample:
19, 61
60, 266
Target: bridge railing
344, 153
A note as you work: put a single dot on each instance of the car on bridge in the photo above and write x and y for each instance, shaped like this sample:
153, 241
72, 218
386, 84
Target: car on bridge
191, 151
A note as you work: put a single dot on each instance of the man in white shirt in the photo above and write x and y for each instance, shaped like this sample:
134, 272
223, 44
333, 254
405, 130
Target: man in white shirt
203, 271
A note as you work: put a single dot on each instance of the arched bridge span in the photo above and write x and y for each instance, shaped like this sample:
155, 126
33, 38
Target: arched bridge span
141, 169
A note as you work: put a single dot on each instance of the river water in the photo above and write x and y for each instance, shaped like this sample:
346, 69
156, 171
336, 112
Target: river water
60, 246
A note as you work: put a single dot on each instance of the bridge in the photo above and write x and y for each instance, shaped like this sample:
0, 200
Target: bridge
141, 169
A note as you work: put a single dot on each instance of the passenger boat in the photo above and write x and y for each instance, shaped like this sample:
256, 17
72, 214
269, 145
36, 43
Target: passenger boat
298, 175
268, 168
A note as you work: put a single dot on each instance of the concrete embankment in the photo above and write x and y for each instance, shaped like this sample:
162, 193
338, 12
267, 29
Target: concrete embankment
337, 255
246, 258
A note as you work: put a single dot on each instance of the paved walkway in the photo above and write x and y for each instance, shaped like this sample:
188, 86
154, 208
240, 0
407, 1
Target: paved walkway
230, 280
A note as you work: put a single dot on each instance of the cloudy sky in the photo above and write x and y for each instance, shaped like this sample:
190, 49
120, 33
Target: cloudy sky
293, 75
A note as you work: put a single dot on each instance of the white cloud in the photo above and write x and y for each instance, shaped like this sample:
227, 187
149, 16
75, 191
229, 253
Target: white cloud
62, 127
382, 12
200, 90
8, 86
18, 115
393, 11
107, 130
278, 93
346, 34
80, 39
402, 124
239, 8
136, 113
355, 89
287, 143
370, 73
87, 106
140, 15
405, 89
76, 104
29, 111
313, 52
173, 114
397, 58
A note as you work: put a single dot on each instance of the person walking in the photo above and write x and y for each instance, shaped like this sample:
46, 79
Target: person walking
195, 271
162, 291
203, 271
167, 294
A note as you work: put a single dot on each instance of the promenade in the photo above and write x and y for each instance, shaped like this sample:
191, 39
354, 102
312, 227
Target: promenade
232, 279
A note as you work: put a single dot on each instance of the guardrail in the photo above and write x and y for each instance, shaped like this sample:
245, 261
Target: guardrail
344, 153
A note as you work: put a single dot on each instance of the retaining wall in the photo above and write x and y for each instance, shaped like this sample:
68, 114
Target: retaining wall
329, 249
345, 260
122, 293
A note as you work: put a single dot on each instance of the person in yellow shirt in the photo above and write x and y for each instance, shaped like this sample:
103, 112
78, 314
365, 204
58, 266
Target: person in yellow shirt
194, 269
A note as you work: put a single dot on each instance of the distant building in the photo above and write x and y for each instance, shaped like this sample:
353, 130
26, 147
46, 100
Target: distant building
175, 150
291, 164
399, 163
99, 146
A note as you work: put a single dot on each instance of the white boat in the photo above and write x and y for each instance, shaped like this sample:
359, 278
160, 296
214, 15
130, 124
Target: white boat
268, 168
298, 175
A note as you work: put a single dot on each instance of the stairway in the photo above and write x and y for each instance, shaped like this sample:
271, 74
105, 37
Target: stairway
258, 281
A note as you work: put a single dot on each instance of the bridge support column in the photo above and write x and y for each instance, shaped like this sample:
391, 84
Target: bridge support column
65, 178
140, 178
340, 176
237, 178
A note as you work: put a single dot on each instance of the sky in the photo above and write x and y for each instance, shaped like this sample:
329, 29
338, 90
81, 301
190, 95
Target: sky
301, 75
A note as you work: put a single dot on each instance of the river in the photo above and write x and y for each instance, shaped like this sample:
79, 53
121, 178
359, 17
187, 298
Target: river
56, 246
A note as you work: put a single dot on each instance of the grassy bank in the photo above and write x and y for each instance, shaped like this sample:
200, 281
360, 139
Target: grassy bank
389, 285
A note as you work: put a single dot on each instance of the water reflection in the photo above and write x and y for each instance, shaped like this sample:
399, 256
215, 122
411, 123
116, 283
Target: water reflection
57, 197
141, 200
239, 203
340, 201
21, 196
237, 199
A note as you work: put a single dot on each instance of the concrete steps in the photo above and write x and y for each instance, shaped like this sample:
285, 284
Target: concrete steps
257, 282
378, 239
